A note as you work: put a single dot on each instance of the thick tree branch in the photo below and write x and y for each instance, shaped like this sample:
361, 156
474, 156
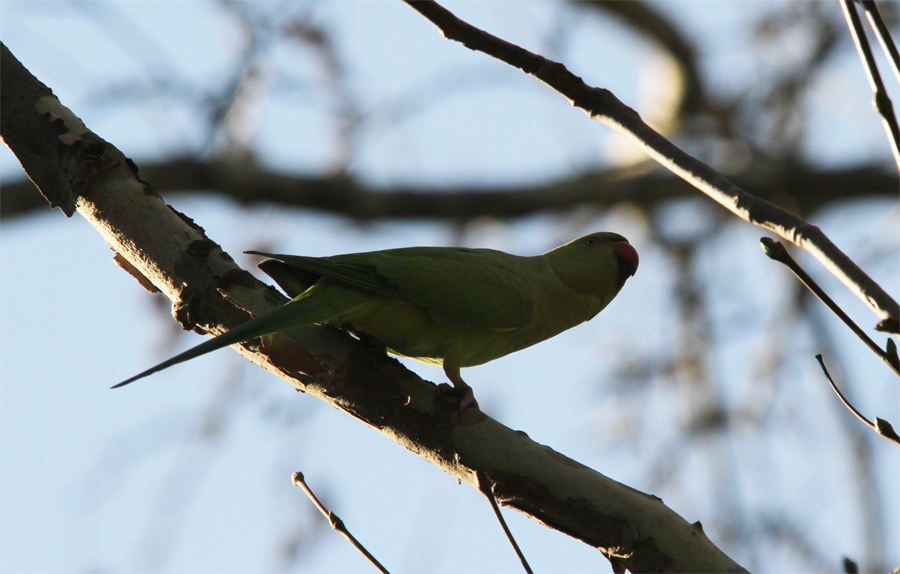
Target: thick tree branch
210, 293
603, 106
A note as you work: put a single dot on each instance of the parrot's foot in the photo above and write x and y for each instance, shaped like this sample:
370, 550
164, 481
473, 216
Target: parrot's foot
462, 393
459, 389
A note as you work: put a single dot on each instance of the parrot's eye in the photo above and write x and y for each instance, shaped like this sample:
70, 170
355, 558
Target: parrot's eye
590, 241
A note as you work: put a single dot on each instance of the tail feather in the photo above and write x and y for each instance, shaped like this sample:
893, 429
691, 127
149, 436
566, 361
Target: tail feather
293, 314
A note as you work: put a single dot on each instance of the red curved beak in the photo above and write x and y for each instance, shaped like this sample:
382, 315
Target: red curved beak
628, 257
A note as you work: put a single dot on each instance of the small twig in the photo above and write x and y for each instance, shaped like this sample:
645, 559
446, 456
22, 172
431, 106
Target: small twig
882, 102
336, 523
485, 485
880, 426
883, 34
776, 250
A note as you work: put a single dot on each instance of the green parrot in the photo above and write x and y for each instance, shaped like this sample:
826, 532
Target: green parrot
447, 306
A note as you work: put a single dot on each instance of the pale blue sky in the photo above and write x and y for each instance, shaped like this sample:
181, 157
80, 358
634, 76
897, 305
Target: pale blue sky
93, 480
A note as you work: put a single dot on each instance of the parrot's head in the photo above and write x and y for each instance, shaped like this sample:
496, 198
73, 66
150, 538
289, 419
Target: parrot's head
596, 264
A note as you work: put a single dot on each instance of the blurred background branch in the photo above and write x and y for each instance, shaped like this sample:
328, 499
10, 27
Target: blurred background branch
803, 189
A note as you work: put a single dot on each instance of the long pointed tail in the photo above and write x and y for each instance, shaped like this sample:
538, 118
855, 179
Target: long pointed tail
293, 314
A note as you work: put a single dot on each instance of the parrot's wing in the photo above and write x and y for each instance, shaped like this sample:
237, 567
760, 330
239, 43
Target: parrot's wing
292, 280
356, 273
469, 288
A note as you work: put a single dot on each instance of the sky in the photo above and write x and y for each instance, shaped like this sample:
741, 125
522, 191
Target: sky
190, 471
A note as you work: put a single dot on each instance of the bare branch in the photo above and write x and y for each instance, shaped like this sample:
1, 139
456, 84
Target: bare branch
880, 426
775, 250
336, 522
486, 487
884, 35
604, 107
882, 102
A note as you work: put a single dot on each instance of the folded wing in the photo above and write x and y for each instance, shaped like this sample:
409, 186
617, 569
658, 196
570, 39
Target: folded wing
467, 288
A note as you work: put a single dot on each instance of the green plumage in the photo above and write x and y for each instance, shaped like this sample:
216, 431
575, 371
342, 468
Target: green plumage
447, 306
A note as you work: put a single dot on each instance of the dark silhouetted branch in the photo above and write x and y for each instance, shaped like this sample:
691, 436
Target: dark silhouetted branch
884, 35
336, 522
776, 250
487, 489
882, 102
880, 426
